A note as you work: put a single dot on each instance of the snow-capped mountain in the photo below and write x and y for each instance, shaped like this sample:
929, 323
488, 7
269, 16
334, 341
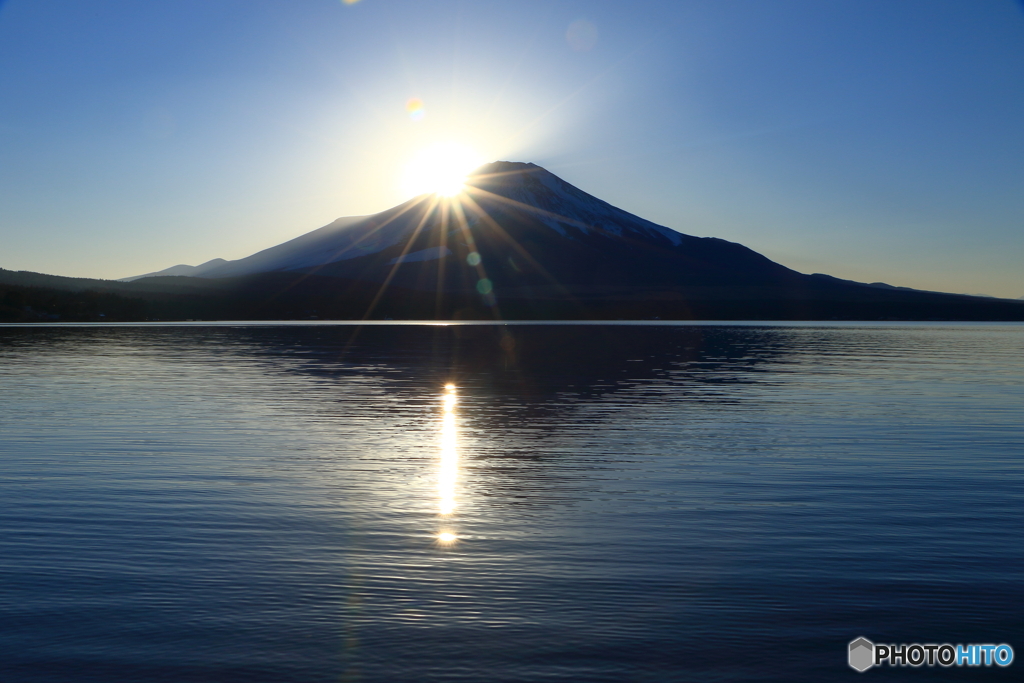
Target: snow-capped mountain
518, 244
523, 230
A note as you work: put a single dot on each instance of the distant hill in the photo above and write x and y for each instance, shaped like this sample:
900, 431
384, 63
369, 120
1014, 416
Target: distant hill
520, 243
188, 271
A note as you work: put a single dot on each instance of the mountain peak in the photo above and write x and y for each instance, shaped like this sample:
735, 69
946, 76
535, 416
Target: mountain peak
555, 203
505, 167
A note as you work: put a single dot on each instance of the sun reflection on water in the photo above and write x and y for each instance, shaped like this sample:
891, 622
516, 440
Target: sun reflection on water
449, 465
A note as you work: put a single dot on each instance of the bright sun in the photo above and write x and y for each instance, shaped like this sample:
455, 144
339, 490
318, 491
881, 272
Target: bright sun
440, 169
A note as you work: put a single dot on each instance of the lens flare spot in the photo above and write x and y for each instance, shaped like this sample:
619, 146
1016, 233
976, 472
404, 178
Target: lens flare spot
473, 259
414, 107
484, 286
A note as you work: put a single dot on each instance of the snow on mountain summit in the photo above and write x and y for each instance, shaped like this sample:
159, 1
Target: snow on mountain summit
562, 204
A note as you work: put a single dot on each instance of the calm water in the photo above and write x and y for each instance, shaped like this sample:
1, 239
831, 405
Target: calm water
628, 503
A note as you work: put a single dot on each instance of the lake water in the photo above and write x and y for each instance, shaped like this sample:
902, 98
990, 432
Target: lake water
584, 503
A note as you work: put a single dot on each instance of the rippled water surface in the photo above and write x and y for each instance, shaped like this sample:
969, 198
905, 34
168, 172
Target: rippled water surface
582, 503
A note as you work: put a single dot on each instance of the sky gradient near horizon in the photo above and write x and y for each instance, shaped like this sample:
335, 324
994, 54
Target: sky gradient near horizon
867, 139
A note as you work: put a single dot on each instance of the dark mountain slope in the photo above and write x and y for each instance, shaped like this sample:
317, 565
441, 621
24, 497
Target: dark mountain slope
535, 235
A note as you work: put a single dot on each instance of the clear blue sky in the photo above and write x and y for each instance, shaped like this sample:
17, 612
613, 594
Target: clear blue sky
872, 140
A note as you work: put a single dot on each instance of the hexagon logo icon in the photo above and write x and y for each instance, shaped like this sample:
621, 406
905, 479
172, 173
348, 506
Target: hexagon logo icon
862, 654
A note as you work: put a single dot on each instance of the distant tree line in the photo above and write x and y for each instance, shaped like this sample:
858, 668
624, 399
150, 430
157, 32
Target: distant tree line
297, 296
39, 304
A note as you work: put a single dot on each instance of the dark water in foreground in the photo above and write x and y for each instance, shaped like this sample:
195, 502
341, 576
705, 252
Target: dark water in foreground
698, 503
